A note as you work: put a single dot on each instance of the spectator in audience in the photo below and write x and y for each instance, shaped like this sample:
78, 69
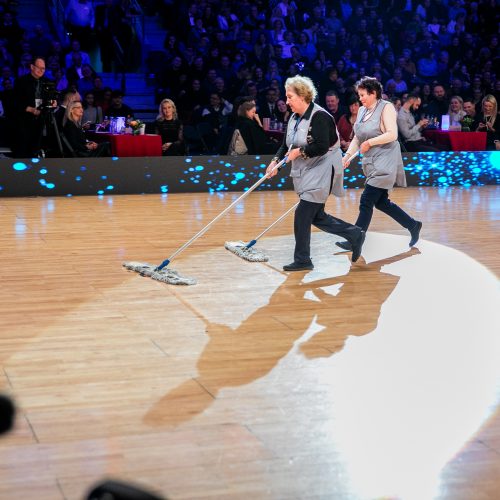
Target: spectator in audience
346, 122
86, 82
456, 111
68, 96
489, 122
268, 107
39, 41
438, 106
333, 105
283, 113
215, 114
75, 134
92, 114
118, 107
409, 131
250, 127
107, 19
170, 128
80, 19
470, 110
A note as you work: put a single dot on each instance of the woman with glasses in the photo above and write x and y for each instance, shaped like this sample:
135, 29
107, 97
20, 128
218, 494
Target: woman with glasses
75, 134
312, 145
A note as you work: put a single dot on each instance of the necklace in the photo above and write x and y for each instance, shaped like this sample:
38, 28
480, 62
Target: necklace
369, 112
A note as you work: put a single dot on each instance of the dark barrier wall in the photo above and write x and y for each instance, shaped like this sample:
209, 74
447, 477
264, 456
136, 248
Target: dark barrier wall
100, 176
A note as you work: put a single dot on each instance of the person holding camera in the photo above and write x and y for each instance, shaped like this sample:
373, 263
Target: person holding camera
29, 99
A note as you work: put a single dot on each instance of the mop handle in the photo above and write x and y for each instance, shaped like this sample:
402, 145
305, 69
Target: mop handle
250, 244
202, 231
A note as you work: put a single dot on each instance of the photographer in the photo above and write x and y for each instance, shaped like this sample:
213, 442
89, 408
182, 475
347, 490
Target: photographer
29, 102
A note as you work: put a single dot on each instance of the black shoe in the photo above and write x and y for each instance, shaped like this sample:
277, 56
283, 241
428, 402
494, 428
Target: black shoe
415, 233
357, 247
345, 245
297, 266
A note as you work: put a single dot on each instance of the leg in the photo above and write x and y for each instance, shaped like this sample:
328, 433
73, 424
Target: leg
354, 235
304, 215
384, 204
368, 200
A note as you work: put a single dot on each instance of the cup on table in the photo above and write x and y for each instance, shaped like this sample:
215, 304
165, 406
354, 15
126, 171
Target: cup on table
265, 123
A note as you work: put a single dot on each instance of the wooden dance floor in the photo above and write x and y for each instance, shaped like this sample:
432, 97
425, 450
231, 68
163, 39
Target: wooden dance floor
367, 381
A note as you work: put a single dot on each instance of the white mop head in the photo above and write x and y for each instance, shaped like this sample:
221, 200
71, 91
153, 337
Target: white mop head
251, 254
166, 275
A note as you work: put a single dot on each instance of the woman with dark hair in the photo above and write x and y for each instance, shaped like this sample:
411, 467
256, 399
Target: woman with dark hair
169, 127
250, 127
347, 121
376, 138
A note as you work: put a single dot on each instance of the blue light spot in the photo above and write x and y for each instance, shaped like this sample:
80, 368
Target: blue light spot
114, 158
164, 189
233, 182
19, 166
188, 160
104, 177
442, 179
239, 175
78, 178
100, 191
43, 171
42, 182
110, 187
200, 168
476, 170
50, 185
1, 188
182, 181
35, 160
82, 168
148, 176
227, 164
69, 195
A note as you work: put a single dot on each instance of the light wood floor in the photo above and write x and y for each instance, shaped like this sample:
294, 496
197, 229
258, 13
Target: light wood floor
376, 380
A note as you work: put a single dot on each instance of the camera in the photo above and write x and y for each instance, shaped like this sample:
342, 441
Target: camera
49, 93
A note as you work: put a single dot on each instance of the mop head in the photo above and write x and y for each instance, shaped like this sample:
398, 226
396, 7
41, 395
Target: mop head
251, 254
169, 276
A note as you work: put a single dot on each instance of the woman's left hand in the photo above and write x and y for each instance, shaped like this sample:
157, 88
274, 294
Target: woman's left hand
293, 154
365, 146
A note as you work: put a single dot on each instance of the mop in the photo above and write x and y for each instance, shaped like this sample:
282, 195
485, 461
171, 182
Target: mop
171, 276
246, 250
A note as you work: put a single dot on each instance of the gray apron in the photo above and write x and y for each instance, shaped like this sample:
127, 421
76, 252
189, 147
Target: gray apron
312, 177
382, 164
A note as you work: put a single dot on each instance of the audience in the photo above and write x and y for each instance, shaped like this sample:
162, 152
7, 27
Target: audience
234, 49
489, 122
346, 123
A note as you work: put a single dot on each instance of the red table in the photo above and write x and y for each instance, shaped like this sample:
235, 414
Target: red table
457, 141
130, 145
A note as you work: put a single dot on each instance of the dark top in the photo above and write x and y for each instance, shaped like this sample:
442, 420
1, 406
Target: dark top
491, 136
322, 134
76, 138
26, 90
125, 111
254, 136
170, 130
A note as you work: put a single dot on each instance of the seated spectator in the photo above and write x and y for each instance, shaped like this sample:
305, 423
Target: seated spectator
170, 128
250, 127
438, 106
397, 102
470, 111
346, 123
409, 131
268, 108
456, 112
75, 135
489, 122
68, 97
215, 115
86, 82
333, 106
118, 107
400, 85
283, 113
75, 49
92, 114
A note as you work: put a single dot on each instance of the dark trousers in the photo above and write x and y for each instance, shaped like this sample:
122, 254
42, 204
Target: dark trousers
379, 198
308, 213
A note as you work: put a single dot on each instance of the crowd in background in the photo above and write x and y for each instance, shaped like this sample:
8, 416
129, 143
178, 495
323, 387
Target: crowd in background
219, 55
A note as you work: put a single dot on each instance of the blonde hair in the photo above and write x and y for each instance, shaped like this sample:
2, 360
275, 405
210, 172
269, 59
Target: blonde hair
492, 99
68, 114
160, 116
303, 86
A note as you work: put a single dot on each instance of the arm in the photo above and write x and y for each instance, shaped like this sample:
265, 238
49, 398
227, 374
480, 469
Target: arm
323, 133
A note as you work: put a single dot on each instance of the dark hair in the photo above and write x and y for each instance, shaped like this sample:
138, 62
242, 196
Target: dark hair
371, 85
413, 95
